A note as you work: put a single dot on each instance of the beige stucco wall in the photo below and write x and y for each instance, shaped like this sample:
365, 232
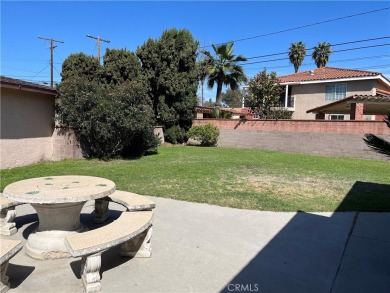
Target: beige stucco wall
27, 124
309, 96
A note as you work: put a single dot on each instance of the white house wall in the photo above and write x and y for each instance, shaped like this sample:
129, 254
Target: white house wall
309, 96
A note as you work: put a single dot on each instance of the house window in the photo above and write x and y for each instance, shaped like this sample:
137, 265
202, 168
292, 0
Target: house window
336, 117
335, 92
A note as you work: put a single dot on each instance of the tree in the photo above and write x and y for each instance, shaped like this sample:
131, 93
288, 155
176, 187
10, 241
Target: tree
203, 69
232, 98
224, 70
80, 65
379, 144
297, 53
169, 64
209, 103
108, 121
119, 66
321, 54
264, 93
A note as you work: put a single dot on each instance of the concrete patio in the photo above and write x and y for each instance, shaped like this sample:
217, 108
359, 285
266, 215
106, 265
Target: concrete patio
204, 248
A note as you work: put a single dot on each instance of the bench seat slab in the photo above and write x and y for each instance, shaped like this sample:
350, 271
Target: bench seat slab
8, 249
131, 201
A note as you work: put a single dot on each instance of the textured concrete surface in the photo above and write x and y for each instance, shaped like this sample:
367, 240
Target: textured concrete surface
204, 248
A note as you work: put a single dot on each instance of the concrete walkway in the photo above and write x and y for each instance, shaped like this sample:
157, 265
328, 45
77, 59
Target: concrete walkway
204, 248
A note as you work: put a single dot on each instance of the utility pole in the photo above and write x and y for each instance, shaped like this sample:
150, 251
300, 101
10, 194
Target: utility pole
98, 44
51, 56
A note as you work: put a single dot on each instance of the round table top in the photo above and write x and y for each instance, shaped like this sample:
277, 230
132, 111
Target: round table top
59, 189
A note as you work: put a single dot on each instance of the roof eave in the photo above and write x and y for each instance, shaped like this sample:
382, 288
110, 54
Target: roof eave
28, 88
336, 80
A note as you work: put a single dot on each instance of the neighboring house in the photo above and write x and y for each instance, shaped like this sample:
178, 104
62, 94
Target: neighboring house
237, 113
309, 90
27, 122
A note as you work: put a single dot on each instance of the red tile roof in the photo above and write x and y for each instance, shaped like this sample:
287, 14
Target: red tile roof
326, 73
13, 83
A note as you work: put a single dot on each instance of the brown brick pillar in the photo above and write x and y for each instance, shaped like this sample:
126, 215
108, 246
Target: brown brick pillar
357, 111
320, 116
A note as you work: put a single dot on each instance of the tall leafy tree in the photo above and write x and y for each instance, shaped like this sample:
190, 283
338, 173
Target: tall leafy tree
264, 93
81, 65
377, 143
232, 98
119, 66
224, 69
169, 65
296, 54
108, 107
321, 54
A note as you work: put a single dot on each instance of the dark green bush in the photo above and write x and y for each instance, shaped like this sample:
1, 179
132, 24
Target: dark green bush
109, 121
207, 134
175, 134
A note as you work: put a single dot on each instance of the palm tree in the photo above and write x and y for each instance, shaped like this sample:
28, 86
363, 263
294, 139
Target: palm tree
203, 70
224, 70
321, 54
296, 54
377, 143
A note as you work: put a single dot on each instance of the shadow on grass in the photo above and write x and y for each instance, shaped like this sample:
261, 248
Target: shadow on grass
321, 253
366, 197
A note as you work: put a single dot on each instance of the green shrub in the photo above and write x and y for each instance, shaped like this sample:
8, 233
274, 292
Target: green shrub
109, 122
175, 134
280, 114
207, 134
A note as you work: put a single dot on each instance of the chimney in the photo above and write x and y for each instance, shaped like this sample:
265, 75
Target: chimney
312, 72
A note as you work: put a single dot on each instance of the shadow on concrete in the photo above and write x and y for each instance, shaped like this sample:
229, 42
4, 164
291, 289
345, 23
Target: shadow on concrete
307, 253
110, 258
18, 273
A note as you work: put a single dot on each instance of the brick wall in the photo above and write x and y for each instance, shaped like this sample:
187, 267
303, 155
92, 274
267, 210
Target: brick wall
328, 138
65, 145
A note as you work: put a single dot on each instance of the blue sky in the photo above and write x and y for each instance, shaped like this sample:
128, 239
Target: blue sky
259, 28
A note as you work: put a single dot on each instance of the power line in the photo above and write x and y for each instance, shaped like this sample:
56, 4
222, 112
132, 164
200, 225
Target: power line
350, 49
40, 72
333, 45
330, 62
302, 26
51, 40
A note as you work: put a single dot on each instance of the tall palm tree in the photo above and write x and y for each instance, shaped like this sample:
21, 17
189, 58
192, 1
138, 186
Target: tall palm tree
203, 71
297, 53
321, 54
224, 70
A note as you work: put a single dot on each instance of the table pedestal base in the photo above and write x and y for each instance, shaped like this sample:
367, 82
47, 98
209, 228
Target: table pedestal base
56, 221
49, 244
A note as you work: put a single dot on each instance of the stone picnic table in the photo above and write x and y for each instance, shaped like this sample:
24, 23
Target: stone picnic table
58, 201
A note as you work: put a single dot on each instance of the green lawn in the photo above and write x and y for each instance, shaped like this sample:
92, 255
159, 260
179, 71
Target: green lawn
241, 178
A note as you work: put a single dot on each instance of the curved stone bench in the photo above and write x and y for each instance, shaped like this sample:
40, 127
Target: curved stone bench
7, 215
8, 249
90, 245
131, 201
